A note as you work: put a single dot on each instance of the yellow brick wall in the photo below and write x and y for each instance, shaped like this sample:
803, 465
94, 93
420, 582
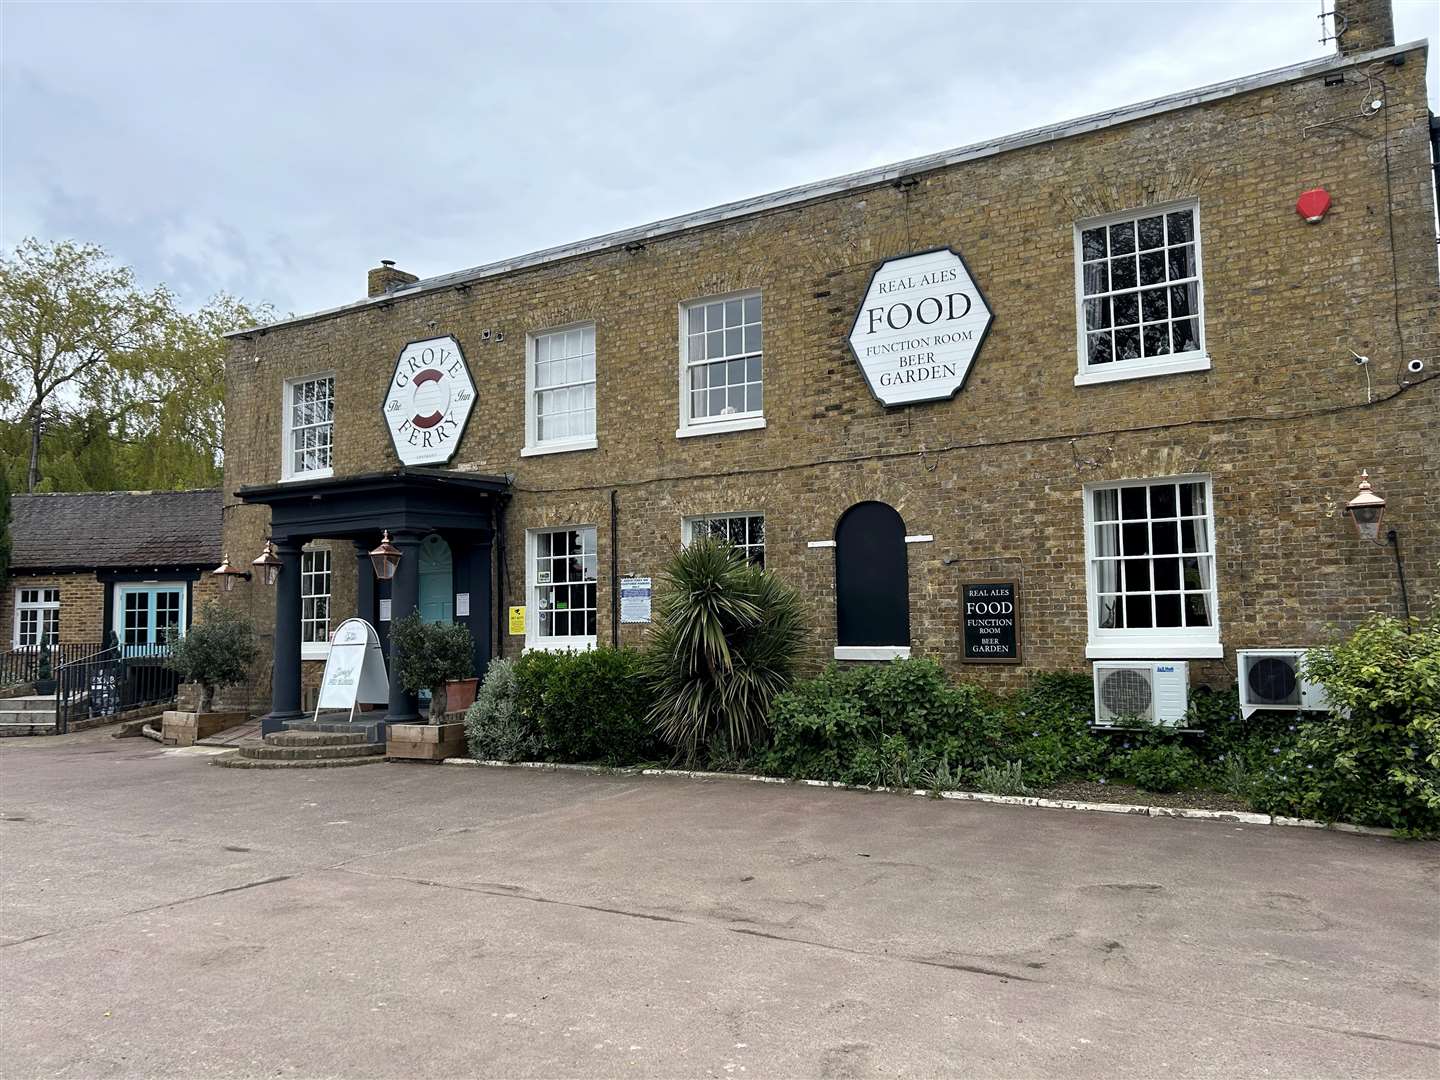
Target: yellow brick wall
1281, 421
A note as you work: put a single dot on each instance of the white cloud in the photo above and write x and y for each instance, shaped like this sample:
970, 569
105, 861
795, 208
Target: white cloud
279, 151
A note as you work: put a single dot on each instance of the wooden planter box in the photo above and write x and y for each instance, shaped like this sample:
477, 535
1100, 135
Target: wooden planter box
186, 728
460, 694
424, 742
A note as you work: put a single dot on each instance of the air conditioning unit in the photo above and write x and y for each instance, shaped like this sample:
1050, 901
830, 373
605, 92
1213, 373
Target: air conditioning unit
1156, 691
1271, 679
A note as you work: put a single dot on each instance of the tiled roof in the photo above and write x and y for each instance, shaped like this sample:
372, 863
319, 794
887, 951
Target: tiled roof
115, 530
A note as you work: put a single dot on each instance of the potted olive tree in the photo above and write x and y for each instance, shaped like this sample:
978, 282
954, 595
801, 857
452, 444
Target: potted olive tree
431, 656
217, 651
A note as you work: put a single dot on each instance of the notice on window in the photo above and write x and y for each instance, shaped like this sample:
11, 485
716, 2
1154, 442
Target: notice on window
517, 620
990, 622
462, 604
635, 600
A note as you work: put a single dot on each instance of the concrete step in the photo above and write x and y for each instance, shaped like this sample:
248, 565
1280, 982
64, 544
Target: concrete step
8, 728
233, 760
29, 703
310, 753
315, 738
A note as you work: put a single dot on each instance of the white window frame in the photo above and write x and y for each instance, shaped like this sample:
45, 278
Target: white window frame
1151, 643
533, 444
744, 421
41, 607
314, 648
688, 523
287, 454
533, 637
1197, 359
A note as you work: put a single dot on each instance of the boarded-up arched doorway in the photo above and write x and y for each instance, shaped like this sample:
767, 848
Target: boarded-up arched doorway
872, 580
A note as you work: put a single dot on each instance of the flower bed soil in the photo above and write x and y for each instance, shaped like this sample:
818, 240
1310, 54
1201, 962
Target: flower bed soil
1090, 791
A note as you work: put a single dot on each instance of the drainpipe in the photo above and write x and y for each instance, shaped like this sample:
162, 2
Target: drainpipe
614, 569
501, 627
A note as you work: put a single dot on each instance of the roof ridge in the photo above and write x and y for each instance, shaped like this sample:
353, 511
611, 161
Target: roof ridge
862, 179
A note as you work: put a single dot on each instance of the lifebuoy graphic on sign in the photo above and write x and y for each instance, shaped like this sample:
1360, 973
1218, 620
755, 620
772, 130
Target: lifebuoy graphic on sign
430, 393
429, 401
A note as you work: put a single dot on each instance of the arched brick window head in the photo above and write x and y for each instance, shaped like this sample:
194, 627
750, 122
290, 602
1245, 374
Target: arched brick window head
872, 581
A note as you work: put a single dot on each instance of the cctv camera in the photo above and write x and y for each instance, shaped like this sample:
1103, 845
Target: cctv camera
1415, 367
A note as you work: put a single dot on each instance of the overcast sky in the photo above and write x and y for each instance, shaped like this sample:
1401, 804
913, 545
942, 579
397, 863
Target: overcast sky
279, 151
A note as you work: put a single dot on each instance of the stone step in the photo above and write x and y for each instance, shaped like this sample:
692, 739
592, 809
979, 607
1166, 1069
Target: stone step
29, 703
315, 738
7, 728
233, 760
310, 753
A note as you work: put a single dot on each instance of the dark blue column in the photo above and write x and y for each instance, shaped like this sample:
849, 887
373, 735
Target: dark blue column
364, 583
482, 618
285, 664
404, 599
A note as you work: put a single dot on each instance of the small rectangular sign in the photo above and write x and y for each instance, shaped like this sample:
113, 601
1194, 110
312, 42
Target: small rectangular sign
635, 600
990, 622
462, 604
517, 620
384, 610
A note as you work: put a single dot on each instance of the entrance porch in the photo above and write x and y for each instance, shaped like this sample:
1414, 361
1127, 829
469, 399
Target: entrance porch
446, 525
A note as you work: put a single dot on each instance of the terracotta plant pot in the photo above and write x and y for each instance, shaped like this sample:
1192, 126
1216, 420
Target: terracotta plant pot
460, 694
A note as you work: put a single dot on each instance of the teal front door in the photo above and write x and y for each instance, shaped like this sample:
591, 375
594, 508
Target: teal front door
437, 580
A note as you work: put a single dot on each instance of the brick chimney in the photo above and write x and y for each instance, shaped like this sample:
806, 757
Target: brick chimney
385, 278
1362, 25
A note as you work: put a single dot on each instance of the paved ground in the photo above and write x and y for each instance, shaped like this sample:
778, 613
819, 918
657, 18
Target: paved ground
163, 918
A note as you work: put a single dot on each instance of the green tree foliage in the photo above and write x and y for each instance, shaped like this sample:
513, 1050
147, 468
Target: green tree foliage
103, 385
431, 654
725, 642
4, 529
217, 651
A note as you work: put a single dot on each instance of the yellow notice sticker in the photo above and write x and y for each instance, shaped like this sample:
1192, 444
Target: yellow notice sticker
517, 620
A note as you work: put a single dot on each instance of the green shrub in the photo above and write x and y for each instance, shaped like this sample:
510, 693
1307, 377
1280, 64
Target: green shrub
1007, 779
889, 725
431, 654
1374, 759
494, 729
1167, 766
1046, 727
587, 706
217, 651
724, 643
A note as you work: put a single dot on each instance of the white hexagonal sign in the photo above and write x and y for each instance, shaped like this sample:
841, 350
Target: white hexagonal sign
429, 401
919, 327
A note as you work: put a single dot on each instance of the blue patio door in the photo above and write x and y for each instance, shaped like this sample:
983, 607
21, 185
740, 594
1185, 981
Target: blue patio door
148, 616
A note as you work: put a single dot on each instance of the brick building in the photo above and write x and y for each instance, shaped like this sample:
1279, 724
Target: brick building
1105, 363
86, 564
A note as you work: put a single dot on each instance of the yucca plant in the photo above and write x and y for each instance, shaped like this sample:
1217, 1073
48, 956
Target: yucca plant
724, 642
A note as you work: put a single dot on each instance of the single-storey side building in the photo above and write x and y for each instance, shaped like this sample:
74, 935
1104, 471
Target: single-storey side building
84, 565
1093, 393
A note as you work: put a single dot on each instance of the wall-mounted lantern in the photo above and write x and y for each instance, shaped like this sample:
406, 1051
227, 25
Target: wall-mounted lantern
385, 558
1368, 510
229, 574
268, 564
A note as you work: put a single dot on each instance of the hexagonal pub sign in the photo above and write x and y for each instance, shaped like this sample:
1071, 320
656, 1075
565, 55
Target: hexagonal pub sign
429, 401
919, 328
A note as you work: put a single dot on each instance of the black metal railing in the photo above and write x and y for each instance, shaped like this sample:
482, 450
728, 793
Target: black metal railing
113, 681
22, 666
